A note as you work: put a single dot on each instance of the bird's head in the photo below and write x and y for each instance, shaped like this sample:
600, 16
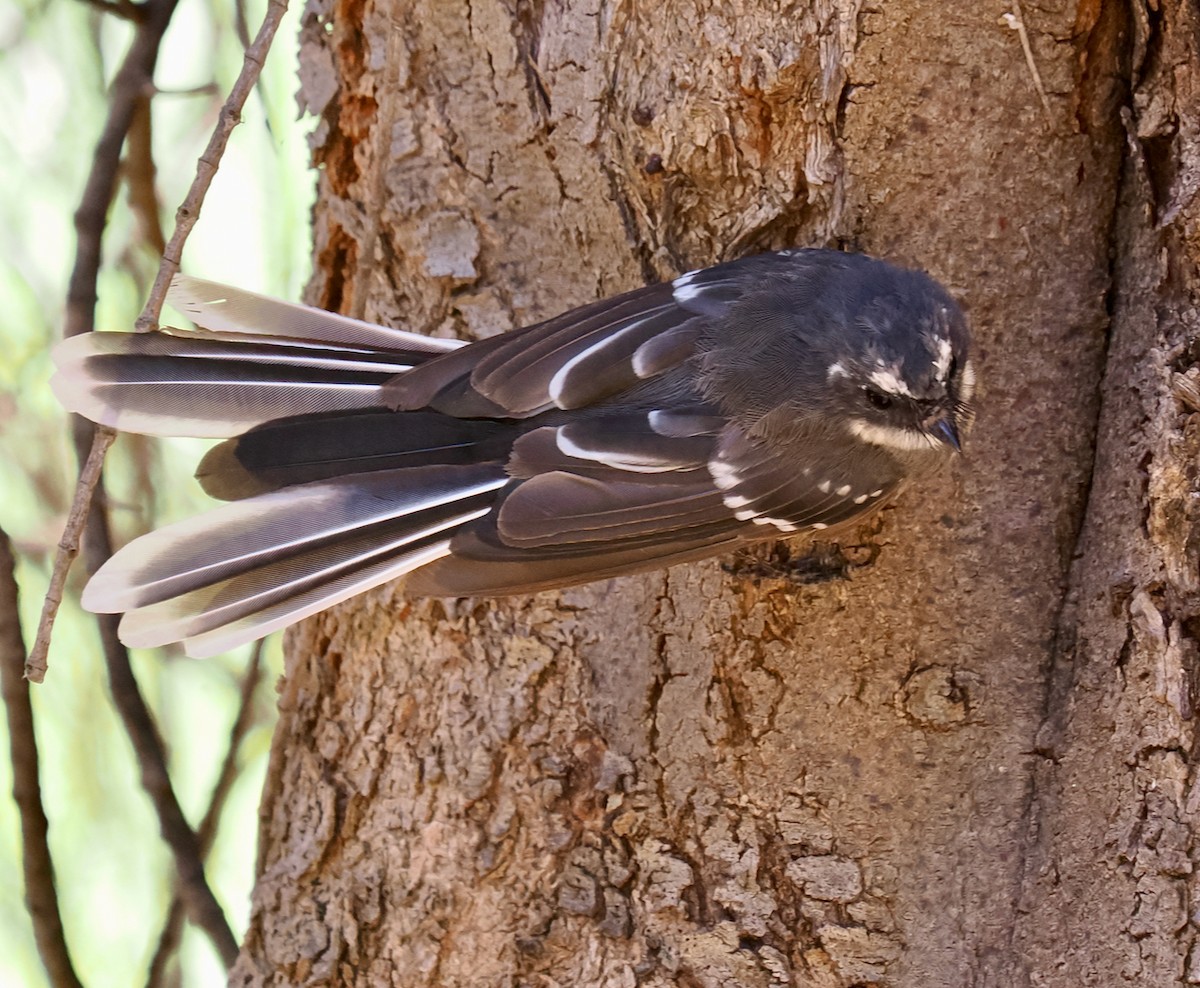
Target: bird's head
901, 376
844, 343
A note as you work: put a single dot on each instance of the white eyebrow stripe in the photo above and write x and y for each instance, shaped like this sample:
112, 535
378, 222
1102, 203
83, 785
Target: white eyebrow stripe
888, 382
943, 358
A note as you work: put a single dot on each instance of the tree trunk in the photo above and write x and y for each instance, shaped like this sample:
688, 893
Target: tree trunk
965, 759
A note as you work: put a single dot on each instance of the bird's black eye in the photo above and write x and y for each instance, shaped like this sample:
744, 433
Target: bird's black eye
878, 399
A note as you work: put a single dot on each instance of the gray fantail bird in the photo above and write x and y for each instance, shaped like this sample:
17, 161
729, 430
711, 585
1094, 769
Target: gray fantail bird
784, 393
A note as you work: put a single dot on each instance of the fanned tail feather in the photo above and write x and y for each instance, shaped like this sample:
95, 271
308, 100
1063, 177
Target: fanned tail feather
163, 385
297, 451
272, 617
238, 572
337, 493
256, 360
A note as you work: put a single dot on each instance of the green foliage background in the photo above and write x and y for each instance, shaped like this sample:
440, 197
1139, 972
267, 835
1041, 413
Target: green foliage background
56, 58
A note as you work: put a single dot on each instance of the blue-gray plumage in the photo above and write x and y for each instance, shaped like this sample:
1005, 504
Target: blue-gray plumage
784, 393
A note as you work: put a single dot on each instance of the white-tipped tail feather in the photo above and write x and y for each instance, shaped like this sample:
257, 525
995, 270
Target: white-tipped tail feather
203, 645
165, 385
244, 569
239, 610
255, 359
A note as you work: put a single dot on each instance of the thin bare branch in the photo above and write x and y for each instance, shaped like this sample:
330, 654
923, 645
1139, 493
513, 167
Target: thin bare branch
132, 82
168, 941
129, 86
68, 549
41, 897
243, 32
229, 117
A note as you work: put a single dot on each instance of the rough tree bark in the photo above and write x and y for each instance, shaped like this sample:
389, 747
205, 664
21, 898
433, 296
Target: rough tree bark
969, 762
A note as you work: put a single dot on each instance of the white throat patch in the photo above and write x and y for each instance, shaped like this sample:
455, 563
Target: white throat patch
892, 437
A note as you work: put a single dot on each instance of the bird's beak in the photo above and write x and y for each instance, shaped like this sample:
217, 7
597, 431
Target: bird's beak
944, 430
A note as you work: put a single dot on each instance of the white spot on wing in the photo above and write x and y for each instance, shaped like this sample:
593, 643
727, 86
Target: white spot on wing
617, 459
640, 366
559, 381
824, 486
781, 523
723, 475
836, 370
843, 490
683, 289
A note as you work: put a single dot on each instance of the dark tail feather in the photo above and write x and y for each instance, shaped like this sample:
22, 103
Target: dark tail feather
299, 451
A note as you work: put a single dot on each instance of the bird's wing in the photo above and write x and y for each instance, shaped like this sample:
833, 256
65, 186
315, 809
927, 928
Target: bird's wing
801, 482
583, 356
618, 494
